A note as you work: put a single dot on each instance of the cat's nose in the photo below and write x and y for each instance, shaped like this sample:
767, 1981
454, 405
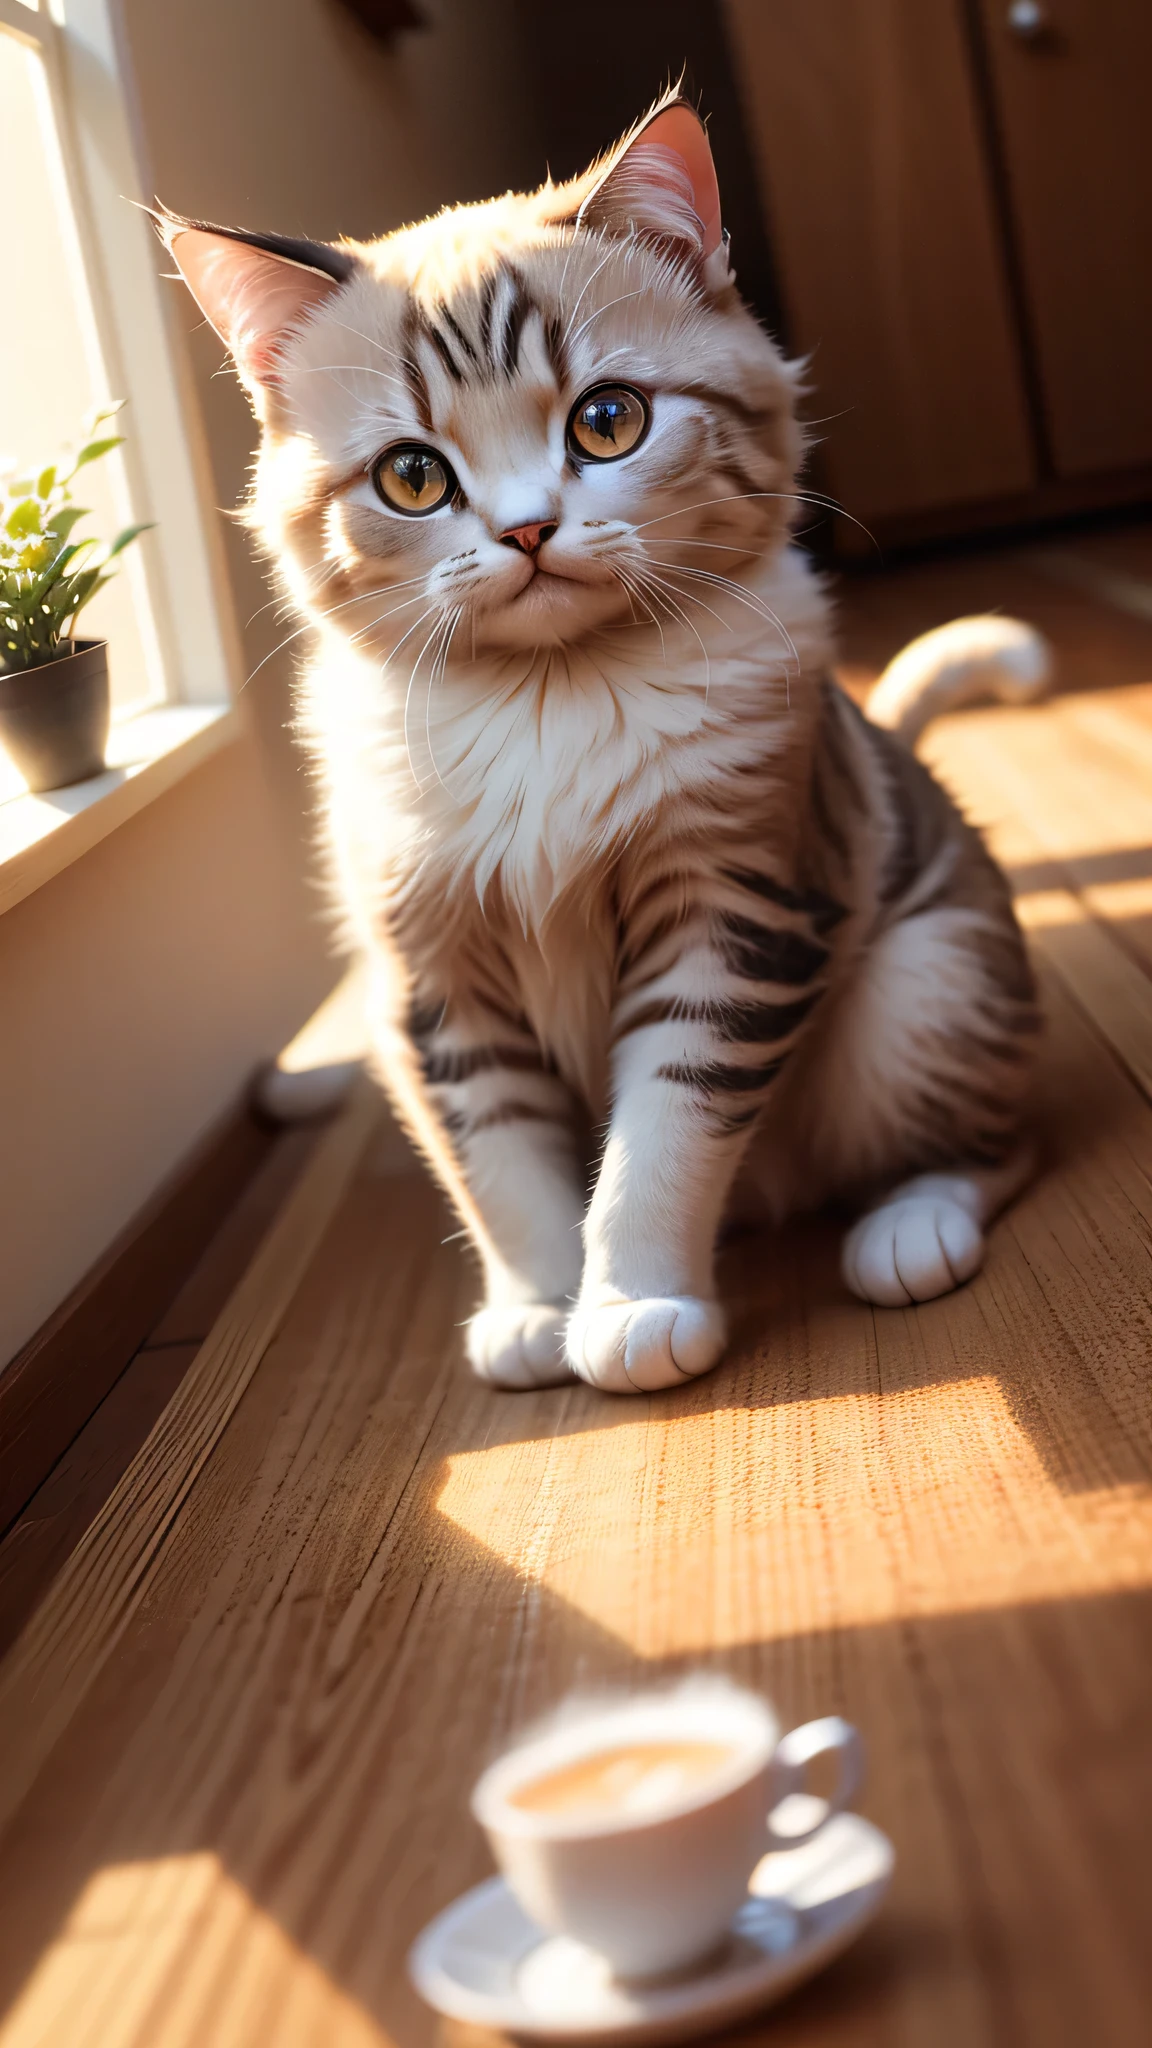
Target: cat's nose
529, 539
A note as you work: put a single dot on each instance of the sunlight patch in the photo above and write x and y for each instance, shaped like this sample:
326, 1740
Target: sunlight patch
746, 1525
173, 1953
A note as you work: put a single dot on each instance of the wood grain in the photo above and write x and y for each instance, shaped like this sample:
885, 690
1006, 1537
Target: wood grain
1065, 797
48, 1529
191, 1313
864, 122
938, 1522
1096, 647
58, 1380
239, 1736
46, 1675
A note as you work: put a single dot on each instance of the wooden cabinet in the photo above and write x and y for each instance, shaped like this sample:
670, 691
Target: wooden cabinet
961, 216
1074, 112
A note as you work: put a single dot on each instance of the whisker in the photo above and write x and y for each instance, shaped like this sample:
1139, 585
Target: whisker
439, 670
280, 602
732, 498
362, 631
328, 612
626, 349
358, 370
411, 680
632, 613
753, 601
573, 241
634, 592
510, 693
683, 616
585, 287
404, 361
571, 340
695, 598
739, 497
413, 628
650, 583
435, 640
738, 590
726, 547
770, 616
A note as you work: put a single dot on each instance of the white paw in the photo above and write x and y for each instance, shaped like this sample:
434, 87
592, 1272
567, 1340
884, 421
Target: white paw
634, 1347
911, 1250
521, 1346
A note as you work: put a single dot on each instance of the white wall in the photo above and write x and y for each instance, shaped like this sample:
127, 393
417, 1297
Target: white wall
140, 987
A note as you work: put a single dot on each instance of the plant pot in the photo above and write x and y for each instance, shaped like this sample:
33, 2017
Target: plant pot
54, 717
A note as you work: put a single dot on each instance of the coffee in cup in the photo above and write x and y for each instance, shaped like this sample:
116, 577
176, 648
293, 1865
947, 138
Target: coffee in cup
634, 1826
633, 1777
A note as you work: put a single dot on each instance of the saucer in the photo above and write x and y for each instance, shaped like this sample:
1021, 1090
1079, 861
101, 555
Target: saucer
484, 1960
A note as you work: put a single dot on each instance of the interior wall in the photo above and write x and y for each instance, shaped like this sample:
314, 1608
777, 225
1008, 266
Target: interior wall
142, 986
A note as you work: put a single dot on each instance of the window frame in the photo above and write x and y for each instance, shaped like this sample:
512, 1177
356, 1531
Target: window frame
115, 262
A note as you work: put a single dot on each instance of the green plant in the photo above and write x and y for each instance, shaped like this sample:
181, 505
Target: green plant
46, 577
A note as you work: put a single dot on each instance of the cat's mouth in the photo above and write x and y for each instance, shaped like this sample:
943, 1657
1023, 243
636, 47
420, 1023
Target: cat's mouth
538, 569
551, 605
542, 585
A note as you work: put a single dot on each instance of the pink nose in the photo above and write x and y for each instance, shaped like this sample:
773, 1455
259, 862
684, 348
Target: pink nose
529, 539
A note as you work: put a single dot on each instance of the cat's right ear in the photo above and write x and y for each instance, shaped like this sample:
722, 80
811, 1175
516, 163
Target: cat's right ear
255, 290
658, 185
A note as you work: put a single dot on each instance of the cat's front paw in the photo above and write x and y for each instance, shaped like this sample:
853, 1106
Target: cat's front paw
911, 1250
519, 1346
636, 1347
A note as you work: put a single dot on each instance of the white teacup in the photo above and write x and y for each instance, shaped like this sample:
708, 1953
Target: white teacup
636, 1828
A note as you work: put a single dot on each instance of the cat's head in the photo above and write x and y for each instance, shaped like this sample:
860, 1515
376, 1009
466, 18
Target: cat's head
548, 415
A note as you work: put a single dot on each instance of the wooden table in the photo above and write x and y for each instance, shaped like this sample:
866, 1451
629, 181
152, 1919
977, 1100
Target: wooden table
239, 1732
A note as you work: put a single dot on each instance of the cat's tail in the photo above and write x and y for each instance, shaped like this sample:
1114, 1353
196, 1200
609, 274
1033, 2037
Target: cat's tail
968, 661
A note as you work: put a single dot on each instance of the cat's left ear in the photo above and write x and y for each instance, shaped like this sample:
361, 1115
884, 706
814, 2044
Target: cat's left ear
256, 290
660, 184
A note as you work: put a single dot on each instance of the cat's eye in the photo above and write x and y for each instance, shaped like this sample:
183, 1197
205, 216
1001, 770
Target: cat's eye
414, 479
607, 423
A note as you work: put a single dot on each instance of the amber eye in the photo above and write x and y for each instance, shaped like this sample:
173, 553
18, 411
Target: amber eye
607, 423
413, 479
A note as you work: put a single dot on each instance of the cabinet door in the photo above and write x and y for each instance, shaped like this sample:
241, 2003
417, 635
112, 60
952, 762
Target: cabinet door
880, 208
1076, 116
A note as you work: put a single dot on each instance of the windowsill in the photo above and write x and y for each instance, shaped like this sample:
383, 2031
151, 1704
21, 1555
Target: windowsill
40, 835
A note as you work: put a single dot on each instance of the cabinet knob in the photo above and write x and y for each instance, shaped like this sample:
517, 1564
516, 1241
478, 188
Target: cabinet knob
1028, 20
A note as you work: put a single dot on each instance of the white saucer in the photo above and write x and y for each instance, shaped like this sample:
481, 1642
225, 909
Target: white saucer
483, 1960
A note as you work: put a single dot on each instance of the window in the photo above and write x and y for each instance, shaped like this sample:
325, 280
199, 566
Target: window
50, 368
83, 320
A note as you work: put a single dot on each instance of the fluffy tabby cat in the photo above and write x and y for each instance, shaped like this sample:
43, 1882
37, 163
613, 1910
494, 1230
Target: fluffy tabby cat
637, 884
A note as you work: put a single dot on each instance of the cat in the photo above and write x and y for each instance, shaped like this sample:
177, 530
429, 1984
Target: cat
661, 929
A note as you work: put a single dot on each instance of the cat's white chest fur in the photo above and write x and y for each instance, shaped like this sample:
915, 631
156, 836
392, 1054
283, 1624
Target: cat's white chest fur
565, 976
508, 792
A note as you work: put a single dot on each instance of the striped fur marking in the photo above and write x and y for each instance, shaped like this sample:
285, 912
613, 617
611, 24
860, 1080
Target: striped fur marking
758, 952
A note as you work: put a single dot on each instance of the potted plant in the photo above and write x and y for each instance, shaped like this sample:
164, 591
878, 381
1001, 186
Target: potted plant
54, 704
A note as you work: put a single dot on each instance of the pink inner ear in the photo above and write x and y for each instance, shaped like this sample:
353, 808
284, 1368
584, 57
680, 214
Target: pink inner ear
252, 299
680, 131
